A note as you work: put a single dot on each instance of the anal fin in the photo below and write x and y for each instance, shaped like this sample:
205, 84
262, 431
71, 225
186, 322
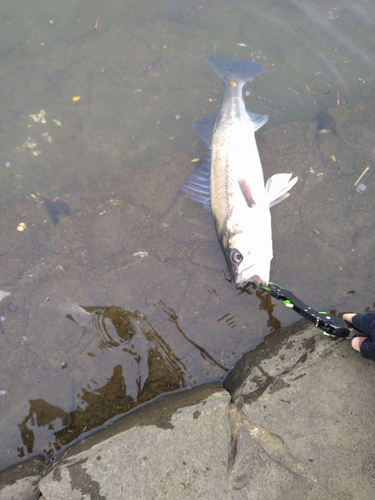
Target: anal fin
198, 185
204, 128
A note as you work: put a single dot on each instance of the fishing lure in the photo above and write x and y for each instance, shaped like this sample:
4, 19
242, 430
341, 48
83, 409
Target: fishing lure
331, 325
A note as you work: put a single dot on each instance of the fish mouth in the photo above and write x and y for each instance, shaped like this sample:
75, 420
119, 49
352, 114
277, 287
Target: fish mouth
246, 276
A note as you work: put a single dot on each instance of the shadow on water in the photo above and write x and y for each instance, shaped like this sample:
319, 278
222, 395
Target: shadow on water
265, 304
152, 369
205, 355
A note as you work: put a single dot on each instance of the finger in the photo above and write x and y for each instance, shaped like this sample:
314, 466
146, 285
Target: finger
356, 343
348, 317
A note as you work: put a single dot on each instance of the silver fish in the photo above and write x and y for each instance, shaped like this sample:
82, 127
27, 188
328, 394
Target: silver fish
230, 181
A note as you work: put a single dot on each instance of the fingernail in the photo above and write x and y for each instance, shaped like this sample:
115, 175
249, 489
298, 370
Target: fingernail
356, 344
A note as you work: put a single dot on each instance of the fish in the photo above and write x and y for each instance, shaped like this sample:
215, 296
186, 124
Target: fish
230, 180
326, 123
54, 209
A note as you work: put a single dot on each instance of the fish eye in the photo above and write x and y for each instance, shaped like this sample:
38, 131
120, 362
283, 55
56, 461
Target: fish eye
236, 256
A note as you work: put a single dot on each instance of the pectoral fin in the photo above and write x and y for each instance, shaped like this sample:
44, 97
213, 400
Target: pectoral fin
246, 191
277, 187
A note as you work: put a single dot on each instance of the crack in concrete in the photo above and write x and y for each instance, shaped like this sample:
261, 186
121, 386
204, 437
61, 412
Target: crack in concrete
272, 444
232, 452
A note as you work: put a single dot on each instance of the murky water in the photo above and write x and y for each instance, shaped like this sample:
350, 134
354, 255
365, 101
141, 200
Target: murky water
125, 295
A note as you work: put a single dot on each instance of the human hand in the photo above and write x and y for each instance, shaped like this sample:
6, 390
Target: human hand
364, 323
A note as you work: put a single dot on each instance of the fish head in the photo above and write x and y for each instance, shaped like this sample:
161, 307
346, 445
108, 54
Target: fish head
247, 259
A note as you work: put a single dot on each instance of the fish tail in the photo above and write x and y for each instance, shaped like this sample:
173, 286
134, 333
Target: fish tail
234, 71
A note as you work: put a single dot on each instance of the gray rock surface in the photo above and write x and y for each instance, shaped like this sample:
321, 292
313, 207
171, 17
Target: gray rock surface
256, 475
186, 459
20, 482
22, 489
317, 396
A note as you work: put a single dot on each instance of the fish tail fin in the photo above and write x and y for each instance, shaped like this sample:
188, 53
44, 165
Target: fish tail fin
234, 71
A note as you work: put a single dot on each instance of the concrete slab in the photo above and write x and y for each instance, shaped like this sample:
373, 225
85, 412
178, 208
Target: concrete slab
186, 459
317, 396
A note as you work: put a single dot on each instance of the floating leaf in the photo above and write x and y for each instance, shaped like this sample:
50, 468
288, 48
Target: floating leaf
195, 160
333, 158
76, 98
33, 196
